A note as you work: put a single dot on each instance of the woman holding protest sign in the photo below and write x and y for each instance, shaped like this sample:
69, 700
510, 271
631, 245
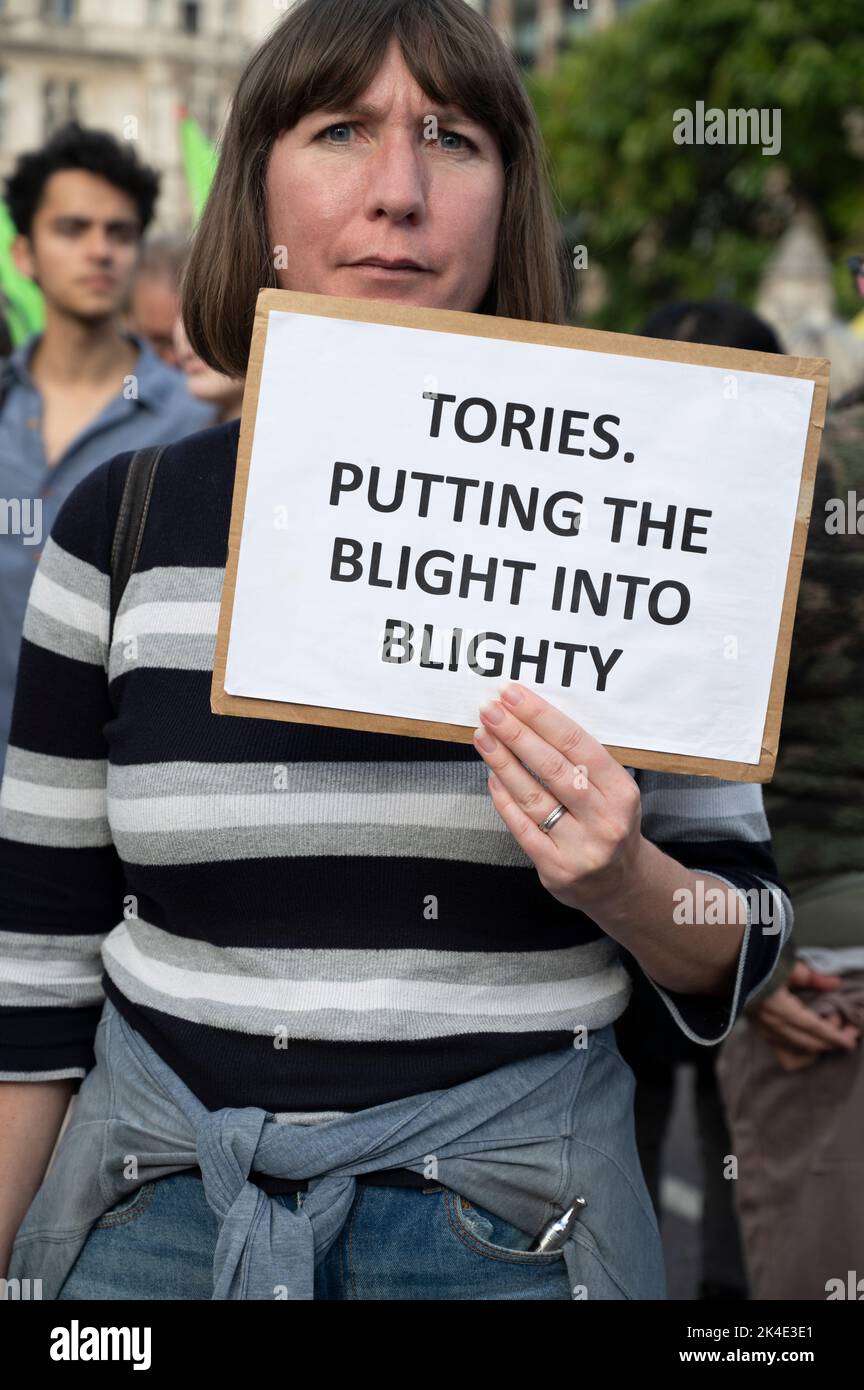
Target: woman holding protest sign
357, 1040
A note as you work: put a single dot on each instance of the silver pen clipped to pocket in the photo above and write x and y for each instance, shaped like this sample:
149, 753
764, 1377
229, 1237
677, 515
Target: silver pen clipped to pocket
557, 1231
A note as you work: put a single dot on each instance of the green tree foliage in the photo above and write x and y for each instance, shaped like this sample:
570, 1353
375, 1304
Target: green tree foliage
665, 220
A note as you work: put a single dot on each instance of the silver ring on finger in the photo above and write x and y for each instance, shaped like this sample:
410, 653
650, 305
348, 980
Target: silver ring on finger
552, 818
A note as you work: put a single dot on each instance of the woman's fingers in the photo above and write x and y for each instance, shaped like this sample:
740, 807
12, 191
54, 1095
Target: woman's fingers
549, 858
516, 749
552, 727
529, 795
570, 784
585, 853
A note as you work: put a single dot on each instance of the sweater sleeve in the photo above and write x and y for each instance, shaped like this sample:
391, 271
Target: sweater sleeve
62, 881
719, 829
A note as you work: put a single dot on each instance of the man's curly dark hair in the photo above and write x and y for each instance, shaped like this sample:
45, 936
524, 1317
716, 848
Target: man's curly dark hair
75, 147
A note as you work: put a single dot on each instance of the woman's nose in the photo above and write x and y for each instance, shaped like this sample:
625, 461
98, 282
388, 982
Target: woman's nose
396, 178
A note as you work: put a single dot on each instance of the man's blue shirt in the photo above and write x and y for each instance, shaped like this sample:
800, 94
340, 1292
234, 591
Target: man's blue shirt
153, 408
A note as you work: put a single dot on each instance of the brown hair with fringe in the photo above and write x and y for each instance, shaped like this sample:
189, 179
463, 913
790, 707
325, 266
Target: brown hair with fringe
322, 56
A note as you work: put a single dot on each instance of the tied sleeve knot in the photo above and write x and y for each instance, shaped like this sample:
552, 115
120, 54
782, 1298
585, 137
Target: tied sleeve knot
264, 1250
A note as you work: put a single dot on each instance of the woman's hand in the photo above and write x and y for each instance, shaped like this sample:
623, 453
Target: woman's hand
595, 857
590, 855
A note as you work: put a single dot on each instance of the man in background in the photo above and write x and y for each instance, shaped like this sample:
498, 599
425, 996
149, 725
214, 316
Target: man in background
85, 388
155, 299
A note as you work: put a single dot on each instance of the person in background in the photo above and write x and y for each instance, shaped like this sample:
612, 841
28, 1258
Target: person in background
83, 389
224, 393
791, 1073
154, 302
647, 1037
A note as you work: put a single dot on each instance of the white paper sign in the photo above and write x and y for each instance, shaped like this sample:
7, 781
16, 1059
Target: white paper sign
425, 520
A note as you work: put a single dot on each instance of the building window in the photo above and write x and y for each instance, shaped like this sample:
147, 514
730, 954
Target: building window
59, 104
190, 16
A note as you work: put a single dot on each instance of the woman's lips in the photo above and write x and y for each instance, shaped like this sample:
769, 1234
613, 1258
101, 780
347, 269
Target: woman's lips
387, 270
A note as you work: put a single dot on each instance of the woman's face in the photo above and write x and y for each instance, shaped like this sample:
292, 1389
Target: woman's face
345, 185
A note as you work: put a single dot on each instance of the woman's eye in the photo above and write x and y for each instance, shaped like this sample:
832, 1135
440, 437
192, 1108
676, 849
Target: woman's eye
454, 135
442, 135
341, 125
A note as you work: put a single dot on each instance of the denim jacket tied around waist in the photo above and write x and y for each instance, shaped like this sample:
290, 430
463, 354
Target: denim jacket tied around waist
524, 1141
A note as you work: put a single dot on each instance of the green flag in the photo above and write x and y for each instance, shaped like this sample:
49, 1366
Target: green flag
22, 304
199, 160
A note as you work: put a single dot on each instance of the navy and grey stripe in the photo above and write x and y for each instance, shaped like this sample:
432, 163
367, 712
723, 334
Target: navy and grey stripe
294, 916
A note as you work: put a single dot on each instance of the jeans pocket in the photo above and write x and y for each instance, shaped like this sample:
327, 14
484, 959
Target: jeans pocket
129, 1208
486, 1234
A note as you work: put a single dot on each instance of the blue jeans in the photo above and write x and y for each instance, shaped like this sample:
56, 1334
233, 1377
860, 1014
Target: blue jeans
397, 1243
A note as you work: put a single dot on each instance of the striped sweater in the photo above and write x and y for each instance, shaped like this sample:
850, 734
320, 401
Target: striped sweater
296, 917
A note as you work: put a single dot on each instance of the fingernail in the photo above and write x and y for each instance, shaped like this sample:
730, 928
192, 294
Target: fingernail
512, 693
492, 711
485, 741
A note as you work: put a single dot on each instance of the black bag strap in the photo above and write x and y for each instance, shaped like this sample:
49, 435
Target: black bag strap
131, 519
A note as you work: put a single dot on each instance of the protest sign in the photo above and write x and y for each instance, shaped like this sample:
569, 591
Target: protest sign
428, 503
